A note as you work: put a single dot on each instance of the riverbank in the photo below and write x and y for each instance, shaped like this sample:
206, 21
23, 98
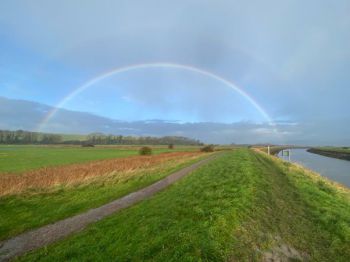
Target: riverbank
332, 168
339, 153
242, 206
275, 150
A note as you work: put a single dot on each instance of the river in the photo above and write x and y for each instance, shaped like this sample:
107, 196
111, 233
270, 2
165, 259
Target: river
335, 169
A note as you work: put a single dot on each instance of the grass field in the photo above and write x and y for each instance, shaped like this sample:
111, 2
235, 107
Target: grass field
40, 197
17, 159
243, 206
335, 152
335, 149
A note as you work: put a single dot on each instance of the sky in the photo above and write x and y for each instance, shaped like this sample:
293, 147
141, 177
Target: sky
291, 57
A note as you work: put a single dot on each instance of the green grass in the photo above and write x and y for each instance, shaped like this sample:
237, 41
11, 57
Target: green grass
335, 149
17, 159
236, 208
36, 208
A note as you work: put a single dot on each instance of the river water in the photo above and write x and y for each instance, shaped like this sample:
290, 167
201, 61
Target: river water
335, 169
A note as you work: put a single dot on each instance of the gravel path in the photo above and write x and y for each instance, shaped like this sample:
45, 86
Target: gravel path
50, 233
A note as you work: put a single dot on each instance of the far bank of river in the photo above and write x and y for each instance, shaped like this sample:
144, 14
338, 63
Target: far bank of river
331, 153
335, 169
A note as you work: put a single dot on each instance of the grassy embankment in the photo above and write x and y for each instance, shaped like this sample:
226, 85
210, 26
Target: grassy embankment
335, 149
335, 152
243, 206
42, 196
17, 159
274, 150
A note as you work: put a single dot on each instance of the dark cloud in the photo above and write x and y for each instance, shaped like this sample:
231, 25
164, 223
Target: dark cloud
19, 114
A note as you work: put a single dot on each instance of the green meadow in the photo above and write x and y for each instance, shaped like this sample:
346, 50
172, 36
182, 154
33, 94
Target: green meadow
21, 158
335, 149
243, 206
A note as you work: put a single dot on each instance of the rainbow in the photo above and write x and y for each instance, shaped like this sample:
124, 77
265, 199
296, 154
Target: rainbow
120, 70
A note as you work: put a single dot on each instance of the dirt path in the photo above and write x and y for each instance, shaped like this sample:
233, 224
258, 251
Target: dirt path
48, 234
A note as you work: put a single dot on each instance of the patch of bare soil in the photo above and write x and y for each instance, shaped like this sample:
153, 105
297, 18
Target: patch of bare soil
282, 252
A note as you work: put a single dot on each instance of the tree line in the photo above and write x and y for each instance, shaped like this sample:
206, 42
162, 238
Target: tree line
28, 137
102, 139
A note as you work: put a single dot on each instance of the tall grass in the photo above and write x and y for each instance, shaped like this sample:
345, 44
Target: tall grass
45, 178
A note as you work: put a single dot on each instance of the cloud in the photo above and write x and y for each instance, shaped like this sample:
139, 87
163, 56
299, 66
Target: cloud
291, 56
20, 114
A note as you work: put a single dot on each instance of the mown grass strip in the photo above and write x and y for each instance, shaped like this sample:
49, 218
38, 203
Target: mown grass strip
244, 206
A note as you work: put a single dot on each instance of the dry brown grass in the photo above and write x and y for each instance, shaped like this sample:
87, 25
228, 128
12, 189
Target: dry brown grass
46, 178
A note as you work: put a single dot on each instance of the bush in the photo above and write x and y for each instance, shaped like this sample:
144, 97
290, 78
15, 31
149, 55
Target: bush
146, 150
171, 146
208, 148
87, 145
